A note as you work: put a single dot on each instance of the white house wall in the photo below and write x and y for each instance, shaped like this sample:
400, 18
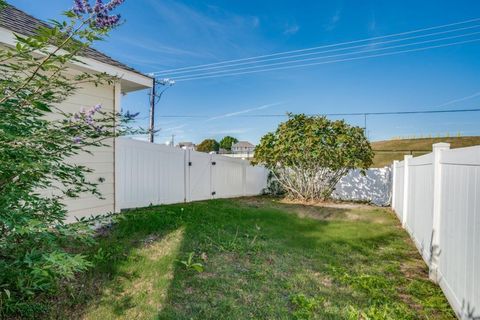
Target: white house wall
101, 161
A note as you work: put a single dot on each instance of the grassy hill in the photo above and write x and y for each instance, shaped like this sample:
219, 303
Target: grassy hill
389, 150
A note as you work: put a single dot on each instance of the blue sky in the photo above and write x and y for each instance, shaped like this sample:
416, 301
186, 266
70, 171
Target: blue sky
166, 34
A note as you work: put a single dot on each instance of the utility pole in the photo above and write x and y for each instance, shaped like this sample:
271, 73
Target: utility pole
152, 111
365, 124
167, 83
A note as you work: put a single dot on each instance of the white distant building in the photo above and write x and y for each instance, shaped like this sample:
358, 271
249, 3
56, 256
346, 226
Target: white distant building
186, 145
242, 149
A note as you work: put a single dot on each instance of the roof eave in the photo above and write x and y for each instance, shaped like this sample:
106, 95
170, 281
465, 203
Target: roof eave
131, 81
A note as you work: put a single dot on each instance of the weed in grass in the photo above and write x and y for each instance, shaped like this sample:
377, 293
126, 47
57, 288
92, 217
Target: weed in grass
189, 264
304, 307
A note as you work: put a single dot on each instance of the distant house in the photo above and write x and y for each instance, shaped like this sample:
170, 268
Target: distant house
243, 149
186, 145
102, 160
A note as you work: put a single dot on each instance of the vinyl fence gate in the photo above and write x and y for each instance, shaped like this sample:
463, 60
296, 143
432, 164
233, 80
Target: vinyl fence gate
153, 174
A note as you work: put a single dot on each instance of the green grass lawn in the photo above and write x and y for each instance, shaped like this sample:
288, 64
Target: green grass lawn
262, 259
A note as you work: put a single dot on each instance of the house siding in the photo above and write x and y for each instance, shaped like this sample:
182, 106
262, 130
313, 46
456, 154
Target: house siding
102, 161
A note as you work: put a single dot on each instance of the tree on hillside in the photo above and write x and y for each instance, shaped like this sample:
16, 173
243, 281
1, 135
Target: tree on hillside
208, 145
308, 155
227, 142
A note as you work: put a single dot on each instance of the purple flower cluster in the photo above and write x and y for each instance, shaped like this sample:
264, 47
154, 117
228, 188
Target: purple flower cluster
90, 113
86, 116
100, 12
77, 140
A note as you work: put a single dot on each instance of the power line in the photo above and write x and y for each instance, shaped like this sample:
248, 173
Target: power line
363, 114
172, 74
325, 57
320, 47
467, 97
328, 62
337, 114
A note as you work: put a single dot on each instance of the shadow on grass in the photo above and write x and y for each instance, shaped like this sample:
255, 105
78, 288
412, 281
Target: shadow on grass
259, 262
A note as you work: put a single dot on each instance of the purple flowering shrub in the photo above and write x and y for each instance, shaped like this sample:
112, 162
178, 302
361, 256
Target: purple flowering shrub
35, 177
100, 13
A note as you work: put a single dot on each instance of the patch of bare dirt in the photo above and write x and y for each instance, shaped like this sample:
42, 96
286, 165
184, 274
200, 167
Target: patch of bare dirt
256, 202
328, 204
413, 269
320, 210
406, 298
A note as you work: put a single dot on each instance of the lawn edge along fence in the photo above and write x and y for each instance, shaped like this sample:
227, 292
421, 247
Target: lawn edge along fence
437, 198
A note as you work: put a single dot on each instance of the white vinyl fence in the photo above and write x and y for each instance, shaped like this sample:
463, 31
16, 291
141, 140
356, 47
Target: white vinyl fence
437, 198
374, 186
155, 174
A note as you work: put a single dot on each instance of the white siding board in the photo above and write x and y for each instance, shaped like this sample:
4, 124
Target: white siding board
78, 204
102, 159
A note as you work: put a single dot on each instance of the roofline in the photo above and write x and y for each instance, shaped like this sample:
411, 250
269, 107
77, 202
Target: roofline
139, 79
132, 80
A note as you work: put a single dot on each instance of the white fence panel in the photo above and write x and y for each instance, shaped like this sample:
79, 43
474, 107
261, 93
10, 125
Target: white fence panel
459, 258
199, 180
228, 176
373, 186
419, 220
255, 180
443, 217
399, 188
152, 174
148, 174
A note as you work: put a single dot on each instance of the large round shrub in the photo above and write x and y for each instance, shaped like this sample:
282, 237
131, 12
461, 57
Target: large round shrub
208, 145
309, 154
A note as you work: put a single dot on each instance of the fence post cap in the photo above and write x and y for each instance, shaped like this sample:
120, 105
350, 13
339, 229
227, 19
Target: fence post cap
407, 156
440, 146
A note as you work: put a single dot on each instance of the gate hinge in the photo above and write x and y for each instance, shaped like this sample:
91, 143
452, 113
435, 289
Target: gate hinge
213, 163
189, 163
214, 193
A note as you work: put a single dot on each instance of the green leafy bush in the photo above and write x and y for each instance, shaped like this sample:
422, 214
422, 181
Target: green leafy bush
308, 155
208, 145
227, 142
34, 176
